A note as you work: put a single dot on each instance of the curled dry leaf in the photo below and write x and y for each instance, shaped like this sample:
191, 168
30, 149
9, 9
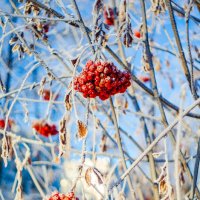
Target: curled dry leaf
5, 152
63, 136
10, 148
146, 66
93, 176
13, 40
68, 104
16, 48
88, 176
165, 189
162, 180
75, 61
82, 130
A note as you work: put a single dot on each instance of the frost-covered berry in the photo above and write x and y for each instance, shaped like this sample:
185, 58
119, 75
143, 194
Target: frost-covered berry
109, 16
59, 196
101, 79
44, 129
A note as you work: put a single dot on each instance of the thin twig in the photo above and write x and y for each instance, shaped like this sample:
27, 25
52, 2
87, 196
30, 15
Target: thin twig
179, 45
150, 156
119, 143
150, 147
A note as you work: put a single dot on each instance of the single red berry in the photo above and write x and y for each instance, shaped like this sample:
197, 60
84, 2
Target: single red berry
89, 63
84, 88
98, 89
90, 76
96, 73
90, 86
97, 78
97, 63
109, 16
81, 81
85, 95
108, 79
2, 123
102, 75
127, 75
92, 68
46, 95
108, 86
84, 76
75, 87
96, 83
107, 70
137, 34
144, 78
46, 28
100, 68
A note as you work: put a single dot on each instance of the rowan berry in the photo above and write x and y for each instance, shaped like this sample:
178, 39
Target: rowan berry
44, 129
101, 79
109, 16
137, 34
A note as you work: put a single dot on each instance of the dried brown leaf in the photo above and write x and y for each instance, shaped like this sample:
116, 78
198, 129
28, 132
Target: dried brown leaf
13, 40
16, 48
74, 61
82, 130
63, 136
68, 104
126, 104
93, 176
88, 176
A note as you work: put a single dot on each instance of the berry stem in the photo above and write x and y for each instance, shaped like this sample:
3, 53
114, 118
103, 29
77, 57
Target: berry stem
119, 143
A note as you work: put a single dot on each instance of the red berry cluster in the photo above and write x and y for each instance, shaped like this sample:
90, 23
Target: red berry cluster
101, 79
44, 129
58, 196
3, 123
